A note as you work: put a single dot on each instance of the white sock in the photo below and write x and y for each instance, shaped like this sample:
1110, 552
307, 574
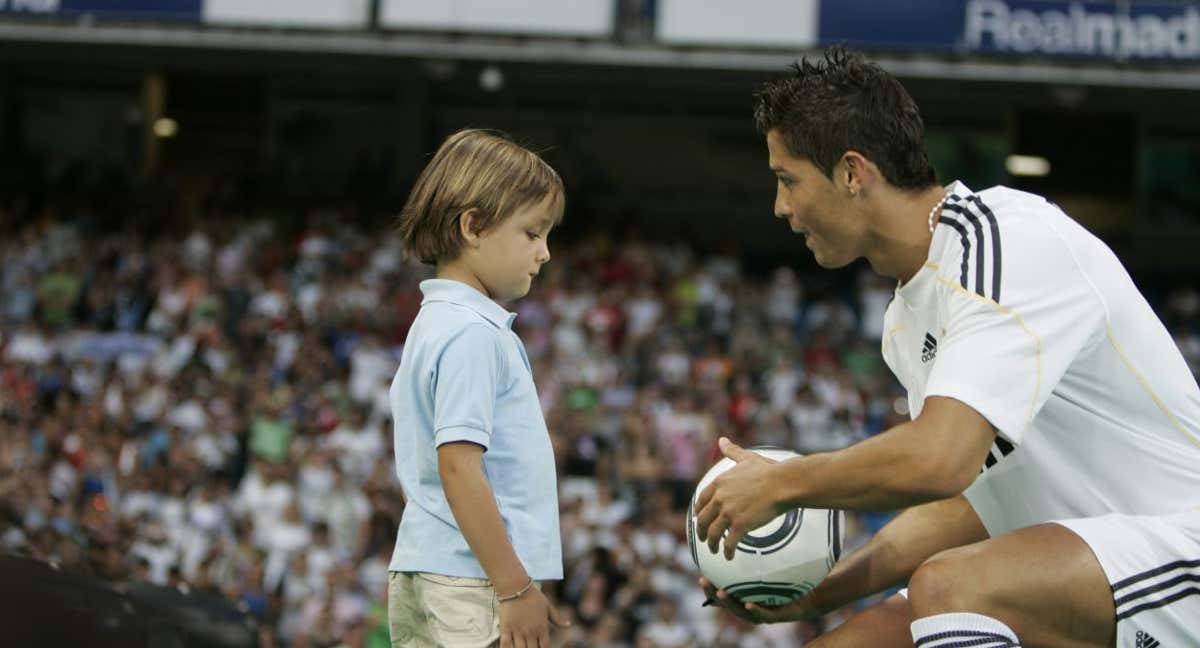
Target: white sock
962, 630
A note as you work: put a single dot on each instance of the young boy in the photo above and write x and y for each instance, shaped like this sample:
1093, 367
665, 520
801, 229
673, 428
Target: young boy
480, 527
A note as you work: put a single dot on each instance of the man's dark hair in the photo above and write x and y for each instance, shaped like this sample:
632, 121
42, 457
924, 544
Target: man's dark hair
843, 102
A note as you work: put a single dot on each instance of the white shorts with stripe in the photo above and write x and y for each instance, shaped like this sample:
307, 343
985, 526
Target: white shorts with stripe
1153, 565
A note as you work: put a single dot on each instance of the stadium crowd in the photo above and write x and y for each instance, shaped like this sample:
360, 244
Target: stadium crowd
208, 410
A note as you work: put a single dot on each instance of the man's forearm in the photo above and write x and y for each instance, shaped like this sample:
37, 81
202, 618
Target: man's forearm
893, 554
474, 506
894, 470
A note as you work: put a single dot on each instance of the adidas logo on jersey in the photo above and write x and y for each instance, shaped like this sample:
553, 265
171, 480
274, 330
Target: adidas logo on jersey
1144, 640
929, 351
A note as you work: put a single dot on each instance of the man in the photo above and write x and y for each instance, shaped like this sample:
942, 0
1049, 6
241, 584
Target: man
1051, 470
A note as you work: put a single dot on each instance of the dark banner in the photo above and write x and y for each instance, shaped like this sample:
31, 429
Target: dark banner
1045, 28
43, 605
171, 10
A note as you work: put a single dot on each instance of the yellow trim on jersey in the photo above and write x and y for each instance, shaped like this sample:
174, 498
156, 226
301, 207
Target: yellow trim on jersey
1146, 385
1004, 310
897, 328
887, 336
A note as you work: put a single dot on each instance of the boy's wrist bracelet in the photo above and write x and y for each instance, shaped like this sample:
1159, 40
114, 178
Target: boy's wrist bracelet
513, 597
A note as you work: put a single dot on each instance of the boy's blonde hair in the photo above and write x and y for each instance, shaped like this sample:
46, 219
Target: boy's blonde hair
475, 169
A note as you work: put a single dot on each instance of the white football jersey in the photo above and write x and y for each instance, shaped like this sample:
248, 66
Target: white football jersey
1031, 320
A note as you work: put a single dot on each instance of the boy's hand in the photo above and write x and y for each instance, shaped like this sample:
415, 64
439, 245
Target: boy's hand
525, 621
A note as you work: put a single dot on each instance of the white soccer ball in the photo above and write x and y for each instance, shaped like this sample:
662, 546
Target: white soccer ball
777, 563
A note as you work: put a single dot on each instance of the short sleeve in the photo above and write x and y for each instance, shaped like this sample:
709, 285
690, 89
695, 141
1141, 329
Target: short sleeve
465, 387
1005, 359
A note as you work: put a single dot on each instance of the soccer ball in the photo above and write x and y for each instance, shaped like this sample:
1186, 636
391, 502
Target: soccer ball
777, 563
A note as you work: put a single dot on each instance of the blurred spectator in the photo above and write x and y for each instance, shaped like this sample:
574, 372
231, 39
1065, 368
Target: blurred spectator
666, 630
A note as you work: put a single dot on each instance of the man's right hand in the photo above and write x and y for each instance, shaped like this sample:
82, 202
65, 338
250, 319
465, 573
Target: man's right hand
800, 610
525, 621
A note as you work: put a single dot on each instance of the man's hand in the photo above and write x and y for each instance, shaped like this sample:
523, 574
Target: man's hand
525, 622
740, 500
754, 613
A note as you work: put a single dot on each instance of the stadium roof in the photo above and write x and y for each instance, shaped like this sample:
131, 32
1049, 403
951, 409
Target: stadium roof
585, 52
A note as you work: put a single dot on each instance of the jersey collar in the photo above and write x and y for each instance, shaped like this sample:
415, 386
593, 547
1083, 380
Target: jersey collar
911, 293
460, 294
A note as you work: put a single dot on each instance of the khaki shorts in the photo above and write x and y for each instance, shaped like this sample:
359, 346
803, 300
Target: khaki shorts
426, 610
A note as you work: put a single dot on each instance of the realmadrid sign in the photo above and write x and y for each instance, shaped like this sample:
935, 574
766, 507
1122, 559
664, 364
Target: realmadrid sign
779, 562
1087, 30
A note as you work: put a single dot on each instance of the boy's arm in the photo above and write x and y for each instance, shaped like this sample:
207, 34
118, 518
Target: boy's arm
471, 499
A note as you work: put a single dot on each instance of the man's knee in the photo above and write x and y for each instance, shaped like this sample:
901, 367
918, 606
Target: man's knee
945, 583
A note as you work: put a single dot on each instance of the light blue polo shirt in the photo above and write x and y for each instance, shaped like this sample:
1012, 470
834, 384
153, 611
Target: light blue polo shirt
464, 376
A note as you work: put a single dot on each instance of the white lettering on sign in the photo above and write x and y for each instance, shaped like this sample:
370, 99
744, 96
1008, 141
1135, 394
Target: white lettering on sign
32, 6
994, 25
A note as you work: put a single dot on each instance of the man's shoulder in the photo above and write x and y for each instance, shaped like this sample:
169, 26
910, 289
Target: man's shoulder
1003, 242
1000, 205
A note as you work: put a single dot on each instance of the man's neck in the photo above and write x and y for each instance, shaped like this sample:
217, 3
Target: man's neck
902, 237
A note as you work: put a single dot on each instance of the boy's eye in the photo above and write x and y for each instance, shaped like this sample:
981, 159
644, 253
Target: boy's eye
533, 236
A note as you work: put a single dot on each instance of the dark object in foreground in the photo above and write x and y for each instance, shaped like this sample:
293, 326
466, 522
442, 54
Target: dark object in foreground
41, 605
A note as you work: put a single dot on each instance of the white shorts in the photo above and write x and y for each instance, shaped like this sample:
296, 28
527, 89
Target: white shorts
1153, 565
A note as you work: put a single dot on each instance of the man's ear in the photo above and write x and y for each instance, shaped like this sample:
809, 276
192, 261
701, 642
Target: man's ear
468, 227
857, 172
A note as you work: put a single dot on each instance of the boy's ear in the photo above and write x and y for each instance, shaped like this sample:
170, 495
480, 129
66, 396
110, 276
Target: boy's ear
468, 226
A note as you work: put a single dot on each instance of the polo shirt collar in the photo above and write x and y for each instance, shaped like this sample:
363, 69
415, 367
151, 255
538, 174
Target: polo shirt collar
459, 293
